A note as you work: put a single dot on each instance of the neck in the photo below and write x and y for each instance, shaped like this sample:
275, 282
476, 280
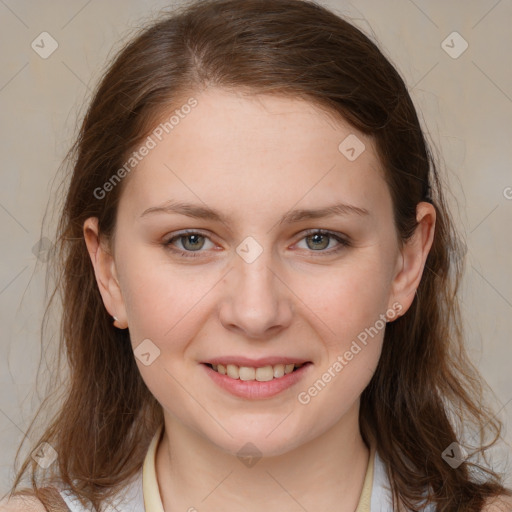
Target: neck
326, 473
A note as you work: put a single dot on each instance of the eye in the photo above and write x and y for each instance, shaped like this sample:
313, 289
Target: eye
191, 241
318, 240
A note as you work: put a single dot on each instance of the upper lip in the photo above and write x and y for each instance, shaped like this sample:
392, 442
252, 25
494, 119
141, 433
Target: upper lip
256, 363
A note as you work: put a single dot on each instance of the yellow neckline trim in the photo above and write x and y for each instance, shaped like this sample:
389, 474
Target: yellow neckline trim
151, 492
366, 494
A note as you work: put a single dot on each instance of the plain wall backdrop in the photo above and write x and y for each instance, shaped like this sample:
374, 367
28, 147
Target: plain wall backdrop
460, 83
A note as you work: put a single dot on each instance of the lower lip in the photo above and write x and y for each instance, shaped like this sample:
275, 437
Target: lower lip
253, 389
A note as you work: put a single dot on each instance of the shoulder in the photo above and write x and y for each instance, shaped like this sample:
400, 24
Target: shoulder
22, 504
501, 503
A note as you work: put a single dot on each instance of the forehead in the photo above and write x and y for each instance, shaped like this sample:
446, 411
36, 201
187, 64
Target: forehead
238, 146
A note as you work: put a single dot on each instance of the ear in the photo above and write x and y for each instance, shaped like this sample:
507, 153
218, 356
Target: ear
413, 256
105, 272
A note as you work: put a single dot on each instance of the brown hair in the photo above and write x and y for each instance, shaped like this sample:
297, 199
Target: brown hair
425, 388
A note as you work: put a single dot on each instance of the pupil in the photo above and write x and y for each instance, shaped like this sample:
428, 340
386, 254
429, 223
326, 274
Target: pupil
194, 239
318, 236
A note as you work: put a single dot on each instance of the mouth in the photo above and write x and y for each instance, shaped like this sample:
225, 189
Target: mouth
261, 374
254, 379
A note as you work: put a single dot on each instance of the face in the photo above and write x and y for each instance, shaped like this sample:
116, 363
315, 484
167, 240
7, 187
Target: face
260, 282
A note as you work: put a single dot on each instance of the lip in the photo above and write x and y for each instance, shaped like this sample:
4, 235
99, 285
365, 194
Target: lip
255, 363
253, 389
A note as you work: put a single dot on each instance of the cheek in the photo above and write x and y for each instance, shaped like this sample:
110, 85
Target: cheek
349, 307
163, 303
346, 300
161, 298
351, 349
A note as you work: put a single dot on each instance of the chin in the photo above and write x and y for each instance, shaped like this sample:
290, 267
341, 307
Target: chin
264, 440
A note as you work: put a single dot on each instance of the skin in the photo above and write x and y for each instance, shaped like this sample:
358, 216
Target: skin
255, 158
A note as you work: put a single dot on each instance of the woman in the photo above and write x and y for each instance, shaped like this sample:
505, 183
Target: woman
259, 287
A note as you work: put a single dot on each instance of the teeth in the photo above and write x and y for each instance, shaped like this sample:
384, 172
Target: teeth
278, 370
262, 374
246, 373
289, 368
233, 371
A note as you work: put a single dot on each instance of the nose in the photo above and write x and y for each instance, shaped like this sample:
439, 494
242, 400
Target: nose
255, 300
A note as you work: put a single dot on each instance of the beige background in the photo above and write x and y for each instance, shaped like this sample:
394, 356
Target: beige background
465, 102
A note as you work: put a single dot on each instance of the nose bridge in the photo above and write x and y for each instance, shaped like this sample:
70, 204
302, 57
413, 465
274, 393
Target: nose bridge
254, 297
255, 279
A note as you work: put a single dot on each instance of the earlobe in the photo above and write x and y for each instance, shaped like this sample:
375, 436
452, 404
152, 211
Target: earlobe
414, 255
105, 272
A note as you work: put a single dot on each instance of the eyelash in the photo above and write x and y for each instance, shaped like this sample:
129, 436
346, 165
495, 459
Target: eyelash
343, 243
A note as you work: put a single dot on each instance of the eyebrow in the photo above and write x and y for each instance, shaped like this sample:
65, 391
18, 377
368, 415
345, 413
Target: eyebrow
203, 212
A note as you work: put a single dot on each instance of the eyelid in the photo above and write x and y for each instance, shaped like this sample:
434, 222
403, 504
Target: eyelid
184, 232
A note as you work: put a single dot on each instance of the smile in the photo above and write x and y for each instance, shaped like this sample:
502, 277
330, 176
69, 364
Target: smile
256, 382
260, 374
